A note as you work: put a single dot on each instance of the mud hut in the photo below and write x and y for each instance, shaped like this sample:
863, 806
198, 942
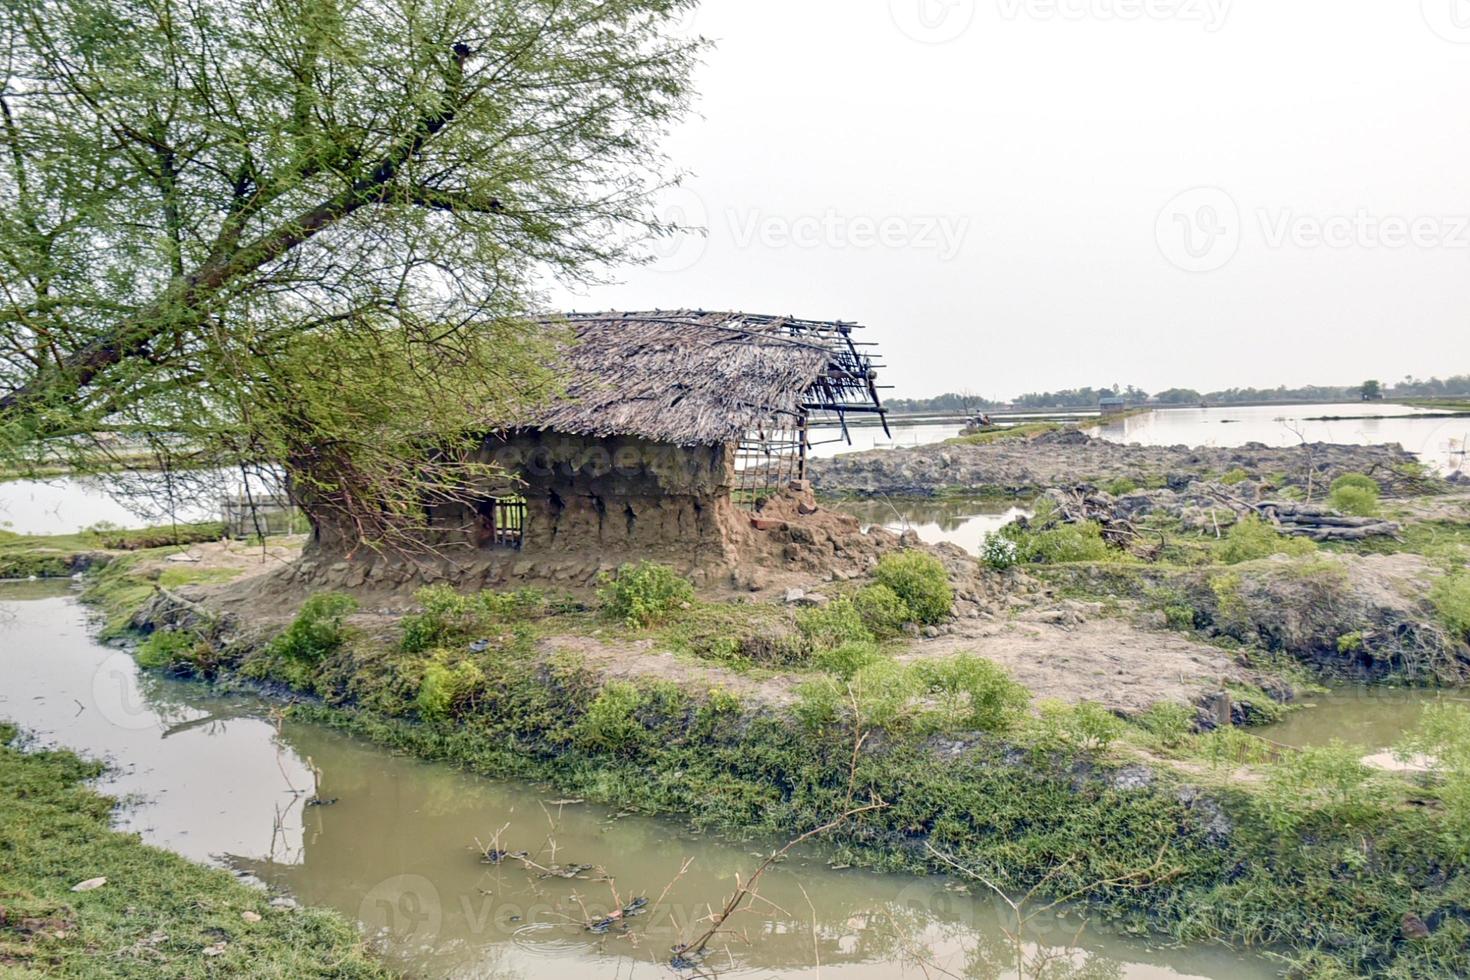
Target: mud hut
673, 430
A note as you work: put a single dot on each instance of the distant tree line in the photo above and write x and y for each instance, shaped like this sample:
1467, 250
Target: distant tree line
1452, 387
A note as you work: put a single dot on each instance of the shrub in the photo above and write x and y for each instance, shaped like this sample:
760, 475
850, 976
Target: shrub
883, 612
609, 724
919, 579
643, 594
1121, 485
974, 694
1179, 616
1326, 782
447, 618
831, 626
1085, 727
1444, 735
1169, 723
318, 630
1044, 540
1000, 552
164, 649
1450, 597
1234, 477
1251, 538
878, 695
849, 658
445, 690
1355, 500
1358, 480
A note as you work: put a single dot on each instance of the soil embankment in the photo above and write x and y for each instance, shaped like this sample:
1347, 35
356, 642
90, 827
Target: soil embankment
1069, 456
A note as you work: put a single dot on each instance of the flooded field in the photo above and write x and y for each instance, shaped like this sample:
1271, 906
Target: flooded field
1438, 441
395, 847
960, 521
1372, 719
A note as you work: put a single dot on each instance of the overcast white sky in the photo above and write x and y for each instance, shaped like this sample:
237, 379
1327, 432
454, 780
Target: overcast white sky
1032, 194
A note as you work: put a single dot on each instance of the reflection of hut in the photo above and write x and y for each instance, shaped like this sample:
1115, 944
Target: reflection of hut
669, 424
1112, 405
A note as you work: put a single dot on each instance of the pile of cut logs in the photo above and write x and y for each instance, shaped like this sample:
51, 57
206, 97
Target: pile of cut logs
1322, 523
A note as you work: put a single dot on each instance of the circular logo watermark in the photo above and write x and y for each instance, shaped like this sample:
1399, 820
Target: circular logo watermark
684, 245
118, 697
1199, 230
932, 21
1450, 19
405, 907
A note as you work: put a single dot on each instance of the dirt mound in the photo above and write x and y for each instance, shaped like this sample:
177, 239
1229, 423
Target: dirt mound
1069, 456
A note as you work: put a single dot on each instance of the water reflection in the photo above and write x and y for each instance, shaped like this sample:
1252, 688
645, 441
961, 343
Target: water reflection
962, 521
397, 848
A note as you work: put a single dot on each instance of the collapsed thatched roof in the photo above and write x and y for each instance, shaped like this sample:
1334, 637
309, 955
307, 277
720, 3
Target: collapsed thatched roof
698, 378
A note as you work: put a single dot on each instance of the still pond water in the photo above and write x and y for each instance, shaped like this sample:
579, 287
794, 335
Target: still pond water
216, 780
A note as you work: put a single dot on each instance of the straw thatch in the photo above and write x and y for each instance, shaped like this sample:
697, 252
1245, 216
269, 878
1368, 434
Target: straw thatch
687, 378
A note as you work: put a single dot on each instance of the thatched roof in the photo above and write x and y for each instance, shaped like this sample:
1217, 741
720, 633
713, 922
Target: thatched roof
697, 378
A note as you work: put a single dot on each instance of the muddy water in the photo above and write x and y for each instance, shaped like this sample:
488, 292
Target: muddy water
215, 779
1372, 719
960, 521
1439, 442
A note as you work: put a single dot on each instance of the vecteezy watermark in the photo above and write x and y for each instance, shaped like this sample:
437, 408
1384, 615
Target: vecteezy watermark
1450, 19
116, 694
405, 908
683, 212
1282, 227
1211, 14
932, 21
942, 234
1199, 230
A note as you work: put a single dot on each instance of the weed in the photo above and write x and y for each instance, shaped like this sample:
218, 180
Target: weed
448, 690
449, 618
1450, 597
919, 579
832, 625
1355, 500
973, 694
1170, 724
1251, 538
644, 594
1084, 727
317, 631
610, 724
1000, 552
848, 658
882, 610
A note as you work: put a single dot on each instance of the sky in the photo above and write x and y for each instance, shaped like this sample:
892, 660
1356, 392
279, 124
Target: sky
1022, 195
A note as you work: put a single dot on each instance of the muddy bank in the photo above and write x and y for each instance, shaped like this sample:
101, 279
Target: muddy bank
1070, 456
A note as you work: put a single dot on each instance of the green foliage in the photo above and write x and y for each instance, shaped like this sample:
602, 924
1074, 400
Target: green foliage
1443, 735
999, 552
1179, 616
1251, 538
919, 579
166, 649
1122, 485
1358, 480
1326, 785
1084, 727
1169, 723
883, 611
1045, 540
643, 594
973, 694
876, 696
1234, 477
448, 618
1450, 597
1355, 500
1350, 642
830, 626
448, 688
848, 658
610, 724
317, 632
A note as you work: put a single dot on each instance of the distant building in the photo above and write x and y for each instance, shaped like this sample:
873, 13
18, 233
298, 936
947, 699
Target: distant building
1112, 405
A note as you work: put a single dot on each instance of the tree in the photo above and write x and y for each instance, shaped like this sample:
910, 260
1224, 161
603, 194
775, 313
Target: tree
1372, 391
262, 229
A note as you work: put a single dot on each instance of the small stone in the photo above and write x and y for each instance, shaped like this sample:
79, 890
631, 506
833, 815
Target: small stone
249, 916
795, 595
89, 885
1413, 927
283, 903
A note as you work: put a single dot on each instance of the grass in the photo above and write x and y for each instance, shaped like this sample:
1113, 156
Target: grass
60, 555
1026, 430
157, 915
